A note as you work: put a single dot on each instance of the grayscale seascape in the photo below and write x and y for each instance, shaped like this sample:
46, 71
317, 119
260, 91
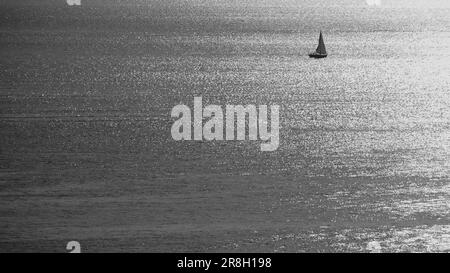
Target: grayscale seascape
86, 151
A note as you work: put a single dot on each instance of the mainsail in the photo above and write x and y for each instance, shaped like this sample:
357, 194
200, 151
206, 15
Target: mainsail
321, 47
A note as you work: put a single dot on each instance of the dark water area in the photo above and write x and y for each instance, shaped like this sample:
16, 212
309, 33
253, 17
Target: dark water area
86, 151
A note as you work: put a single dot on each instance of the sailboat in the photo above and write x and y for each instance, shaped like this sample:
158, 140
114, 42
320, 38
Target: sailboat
321, 51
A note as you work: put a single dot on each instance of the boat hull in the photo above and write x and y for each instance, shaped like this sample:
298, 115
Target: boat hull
318, 56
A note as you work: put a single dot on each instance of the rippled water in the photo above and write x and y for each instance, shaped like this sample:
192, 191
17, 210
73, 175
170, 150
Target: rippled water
86, 152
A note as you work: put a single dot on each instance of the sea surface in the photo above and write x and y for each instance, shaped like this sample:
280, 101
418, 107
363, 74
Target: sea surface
86, 152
